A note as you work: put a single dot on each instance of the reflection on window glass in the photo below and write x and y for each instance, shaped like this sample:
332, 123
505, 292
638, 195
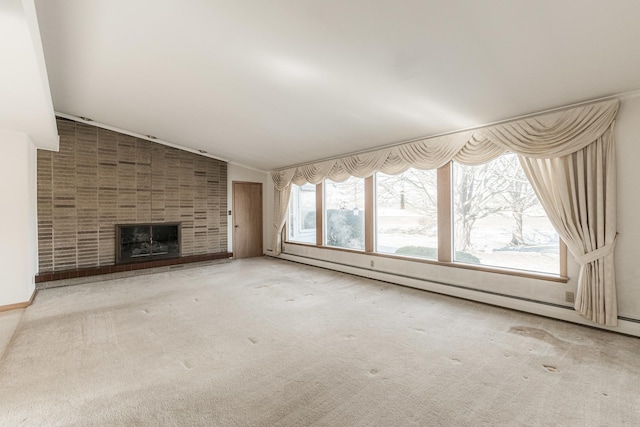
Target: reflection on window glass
302, 214
406, 214
344, 213
499, 220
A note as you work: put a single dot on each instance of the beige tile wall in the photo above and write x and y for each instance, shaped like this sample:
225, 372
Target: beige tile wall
101, 178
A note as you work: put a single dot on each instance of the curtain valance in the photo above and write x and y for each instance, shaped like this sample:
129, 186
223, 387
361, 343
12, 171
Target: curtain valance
545, 136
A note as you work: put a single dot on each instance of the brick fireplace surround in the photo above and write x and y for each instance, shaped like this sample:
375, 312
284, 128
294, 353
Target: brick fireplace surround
100, 178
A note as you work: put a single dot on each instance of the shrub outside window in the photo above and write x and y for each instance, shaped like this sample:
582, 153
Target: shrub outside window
498, 220
344, 213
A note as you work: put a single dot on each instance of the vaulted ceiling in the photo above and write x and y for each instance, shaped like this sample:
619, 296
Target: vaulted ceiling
275, 83
25, 99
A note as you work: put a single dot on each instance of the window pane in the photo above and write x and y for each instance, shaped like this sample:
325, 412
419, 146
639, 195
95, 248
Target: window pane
302, 214
406, 214
499, 220
344, 213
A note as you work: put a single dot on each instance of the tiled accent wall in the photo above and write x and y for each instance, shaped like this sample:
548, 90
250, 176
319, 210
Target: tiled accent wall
101, 178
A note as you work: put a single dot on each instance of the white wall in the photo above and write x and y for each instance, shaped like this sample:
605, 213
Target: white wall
27, 121
241, 174
25, 100
628, 243
18, 246
532, 295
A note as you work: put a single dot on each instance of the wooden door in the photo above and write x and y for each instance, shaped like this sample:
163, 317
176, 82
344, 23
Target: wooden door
247, 219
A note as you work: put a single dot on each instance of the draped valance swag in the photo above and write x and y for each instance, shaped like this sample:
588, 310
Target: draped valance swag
569, 158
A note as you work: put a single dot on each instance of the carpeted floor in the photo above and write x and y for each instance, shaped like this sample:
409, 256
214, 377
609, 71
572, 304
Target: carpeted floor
264, 342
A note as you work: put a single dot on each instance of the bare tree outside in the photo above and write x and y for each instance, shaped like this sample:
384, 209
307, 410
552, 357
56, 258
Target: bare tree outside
413, 190
499, 219
406, 214
500, 186
474, 199
518, 194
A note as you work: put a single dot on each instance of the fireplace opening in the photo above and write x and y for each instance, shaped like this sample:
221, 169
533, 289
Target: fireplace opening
138, 242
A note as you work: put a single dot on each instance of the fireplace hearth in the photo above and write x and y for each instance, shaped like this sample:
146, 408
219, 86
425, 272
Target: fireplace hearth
140, 242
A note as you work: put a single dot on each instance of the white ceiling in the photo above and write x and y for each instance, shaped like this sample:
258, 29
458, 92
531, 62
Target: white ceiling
275, 83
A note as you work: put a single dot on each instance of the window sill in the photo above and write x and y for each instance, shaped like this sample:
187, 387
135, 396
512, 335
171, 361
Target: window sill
487, 269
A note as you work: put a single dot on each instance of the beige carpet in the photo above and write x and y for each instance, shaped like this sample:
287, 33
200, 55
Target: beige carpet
265, 342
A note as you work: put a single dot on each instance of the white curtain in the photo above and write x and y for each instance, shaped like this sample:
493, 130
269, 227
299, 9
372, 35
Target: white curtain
280, 206
578, 192
569, 158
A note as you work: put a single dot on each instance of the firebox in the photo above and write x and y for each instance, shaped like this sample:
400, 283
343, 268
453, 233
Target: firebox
140, 242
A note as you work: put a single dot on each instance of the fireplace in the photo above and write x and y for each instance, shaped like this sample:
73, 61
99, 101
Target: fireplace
141, 242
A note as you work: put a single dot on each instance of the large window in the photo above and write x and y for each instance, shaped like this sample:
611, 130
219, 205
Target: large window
498, 220
302, 214
344, 213
406, 214
485, 217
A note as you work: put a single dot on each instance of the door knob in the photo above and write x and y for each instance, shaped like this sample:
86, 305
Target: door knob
237, 226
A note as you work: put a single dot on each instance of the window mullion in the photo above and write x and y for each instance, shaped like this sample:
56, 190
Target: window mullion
444, 214
563, 259
319, 214
369, 214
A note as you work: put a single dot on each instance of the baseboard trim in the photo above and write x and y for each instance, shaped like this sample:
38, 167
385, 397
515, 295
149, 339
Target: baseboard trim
18, 305
625, 326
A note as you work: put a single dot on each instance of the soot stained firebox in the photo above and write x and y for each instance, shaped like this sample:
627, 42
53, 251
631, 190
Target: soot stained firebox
139, 242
